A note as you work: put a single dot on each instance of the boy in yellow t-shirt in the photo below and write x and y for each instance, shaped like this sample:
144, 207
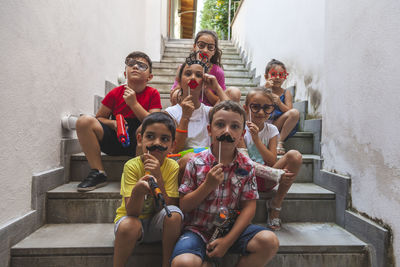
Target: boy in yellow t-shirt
137, 219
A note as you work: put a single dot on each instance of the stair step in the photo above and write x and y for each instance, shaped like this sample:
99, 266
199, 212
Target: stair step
171, 78
114, 165
184, 53
228, 74
165, 88
304, 202
174, 65
223, 61
301, 244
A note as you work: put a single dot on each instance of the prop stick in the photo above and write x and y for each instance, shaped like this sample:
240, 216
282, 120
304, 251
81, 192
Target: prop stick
250, 114
202, 92
219, 152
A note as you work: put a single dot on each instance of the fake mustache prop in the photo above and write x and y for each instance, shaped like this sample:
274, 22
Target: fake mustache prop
225, 137
159, 148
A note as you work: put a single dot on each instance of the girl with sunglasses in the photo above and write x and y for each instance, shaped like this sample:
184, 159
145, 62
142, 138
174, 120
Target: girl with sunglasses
284, 117
206, 42
261, 140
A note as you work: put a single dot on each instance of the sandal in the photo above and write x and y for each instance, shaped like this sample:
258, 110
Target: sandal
274, 224
280, 150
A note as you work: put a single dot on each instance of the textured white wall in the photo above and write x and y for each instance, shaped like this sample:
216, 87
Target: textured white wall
361, 108
55, 55
290, 31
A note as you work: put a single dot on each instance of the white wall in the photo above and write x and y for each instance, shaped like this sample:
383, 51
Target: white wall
361, 107
290, 31
55, 55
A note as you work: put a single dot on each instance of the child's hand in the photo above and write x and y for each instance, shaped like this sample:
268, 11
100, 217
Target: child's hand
151, 164
142, 186
210, 81
287, 178
269, 83
129, 96
254, 130
276, 99
187, 107
217, 248
215, 176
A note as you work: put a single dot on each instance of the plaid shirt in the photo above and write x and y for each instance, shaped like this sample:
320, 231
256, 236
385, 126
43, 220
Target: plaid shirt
239, 184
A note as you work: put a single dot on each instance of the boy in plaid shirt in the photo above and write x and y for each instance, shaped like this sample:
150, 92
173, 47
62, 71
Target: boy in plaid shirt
222, 177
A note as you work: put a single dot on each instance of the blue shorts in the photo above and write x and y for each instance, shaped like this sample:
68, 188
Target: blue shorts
190, 242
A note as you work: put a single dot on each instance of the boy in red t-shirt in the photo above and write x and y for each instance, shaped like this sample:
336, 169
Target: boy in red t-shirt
134, 101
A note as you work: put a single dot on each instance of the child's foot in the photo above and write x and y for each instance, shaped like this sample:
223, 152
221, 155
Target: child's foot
280, 150
95, 179
273, 221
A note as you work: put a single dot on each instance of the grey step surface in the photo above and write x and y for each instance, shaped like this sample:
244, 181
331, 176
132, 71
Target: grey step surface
184, 53
113, 165
170, 79
228, 74
305, 202
174, 65
165, 88
301, 244
236, 62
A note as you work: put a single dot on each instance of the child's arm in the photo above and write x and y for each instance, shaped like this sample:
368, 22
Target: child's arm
267, 153
220, 246
152, 165
134, 203
190, 201
211, 82
182, 128
134, 105
103, 115
288, 102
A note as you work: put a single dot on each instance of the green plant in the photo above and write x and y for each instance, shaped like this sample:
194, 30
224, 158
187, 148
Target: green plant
214, 16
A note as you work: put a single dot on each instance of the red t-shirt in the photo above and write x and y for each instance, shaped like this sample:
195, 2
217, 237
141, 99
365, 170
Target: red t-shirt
149, 98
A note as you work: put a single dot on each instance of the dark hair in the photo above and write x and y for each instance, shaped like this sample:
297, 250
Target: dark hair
138, 54
228, 105
159, 117
273, 63
262, 90
216, 58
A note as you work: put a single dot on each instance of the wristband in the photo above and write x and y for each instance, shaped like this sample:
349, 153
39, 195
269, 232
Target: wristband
181, 131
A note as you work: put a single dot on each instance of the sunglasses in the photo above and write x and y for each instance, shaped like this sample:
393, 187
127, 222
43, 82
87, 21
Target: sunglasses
275, 74
268, 109
202, 45
140, 65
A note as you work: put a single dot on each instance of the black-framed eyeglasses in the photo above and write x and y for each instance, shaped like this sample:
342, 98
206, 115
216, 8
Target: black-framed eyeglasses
268, 109
202, 45
140, 65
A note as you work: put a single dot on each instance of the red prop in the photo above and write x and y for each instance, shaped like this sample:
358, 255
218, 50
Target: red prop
193, 84
274, 74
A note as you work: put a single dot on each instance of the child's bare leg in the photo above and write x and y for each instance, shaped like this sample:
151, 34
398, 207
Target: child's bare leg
291, 161
262, 247
187, 260
171, 233
90, 132
128, 233
287, 122
182, 165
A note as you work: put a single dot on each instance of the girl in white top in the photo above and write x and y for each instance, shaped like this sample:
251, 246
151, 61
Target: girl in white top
261, 142
190, 114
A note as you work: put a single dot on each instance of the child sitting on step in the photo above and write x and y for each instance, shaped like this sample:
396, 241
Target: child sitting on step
134, 101
284, 116
190, 114
137, 218
222, 177
206, 42
260, 140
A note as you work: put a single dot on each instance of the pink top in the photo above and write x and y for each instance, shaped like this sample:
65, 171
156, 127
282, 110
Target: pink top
218, 72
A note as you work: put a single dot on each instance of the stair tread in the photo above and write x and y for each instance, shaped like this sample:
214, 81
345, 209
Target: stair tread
112, 190
73, 239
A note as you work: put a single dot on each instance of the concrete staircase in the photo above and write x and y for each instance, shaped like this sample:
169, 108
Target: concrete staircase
79, 229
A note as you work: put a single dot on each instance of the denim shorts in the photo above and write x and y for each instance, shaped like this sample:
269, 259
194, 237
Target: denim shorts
190, 242
152, 227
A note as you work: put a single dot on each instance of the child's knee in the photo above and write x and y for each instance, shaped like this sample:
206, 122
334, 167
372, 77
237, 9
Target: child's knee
186, 260
266, 240
130, 227
294, 113
84, 122
294, 156
175, 219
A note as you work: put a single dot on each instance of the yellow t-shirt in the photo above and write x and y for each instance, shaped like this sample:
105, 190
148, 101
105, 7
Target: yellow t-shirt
133, 171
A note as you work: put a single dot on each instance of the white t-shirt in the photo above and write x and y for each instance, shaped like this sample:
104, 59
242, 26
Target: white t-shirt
197, 128
268, 132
